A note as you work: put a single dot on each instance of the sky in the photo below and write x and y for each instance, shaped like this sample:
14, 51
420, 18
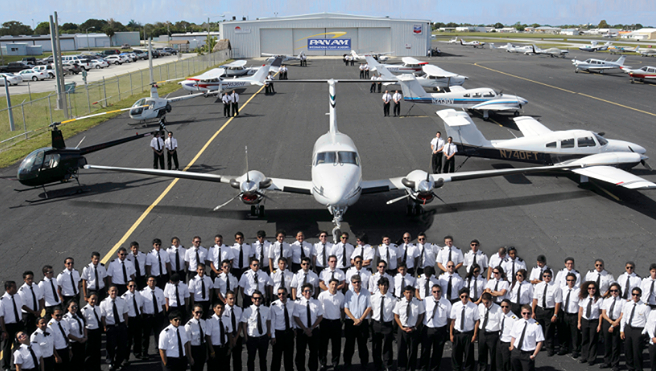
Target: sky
554, 12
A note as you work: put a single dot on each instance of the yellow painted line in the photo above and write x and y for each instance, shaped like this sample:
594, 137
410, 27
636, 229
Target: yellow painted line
168, 189
568, 91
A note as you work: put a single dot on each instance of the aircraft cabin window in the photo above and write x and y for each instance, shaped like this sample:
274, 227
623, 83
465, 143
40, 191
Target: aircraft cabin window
466, 95
51, 161
476, 95
325, 158
348, 158
567, 143
602, 141
586, 142
551, 145
488, 94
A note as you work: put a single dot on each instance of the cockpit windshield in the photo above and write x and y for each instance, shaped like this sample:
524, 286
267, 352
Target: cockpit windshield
31, 164
337, 158
139, 109
602, 141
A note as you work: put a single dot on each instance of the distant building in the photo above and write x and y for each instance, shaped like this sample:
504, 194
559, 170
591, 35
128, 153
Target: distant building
196, 39
466, 29
92, 40
642, 34
67, 42
507, 30
544, 29
570, 32
22, 49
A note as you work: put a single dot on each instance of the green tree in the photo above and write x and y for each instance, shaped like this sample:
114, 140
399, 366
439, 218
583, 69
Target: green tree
519, 26
133, 25
42, 28
68, 27
97, 24
603, 24
109, 31
210, 43
498, 25
15, 28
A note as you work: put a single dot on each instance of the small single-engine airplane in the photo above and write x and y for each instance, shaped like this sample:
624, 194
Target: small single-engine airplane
285, 58
211, 81
540, 145
453, 41
336, 176
480, 99
614, 49
502, 47
473, 43
527, 49
647, 52
410, 65
595, 47
379, 56
641, 74
598, 65
238, 68
434, 77
552, 52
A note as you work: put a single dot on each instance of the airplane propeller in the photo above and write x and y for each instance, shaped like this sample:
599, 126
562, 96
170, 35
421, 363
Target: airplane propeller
643, 162
397, 199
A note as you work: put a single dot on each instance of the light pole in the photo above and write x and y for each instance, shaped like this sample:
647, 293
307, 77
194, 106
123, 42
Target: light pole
87, 31
9, 109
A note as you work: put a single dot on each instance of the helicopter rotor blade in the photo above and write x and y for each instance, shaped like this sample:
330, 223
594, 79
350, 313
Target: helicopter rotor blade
78, 145
100, 114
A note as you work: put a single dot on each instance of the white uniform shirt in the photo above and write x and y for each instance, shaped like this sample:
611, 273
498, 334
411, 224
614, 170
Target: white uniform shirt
69, 280
481, 260
278, 315
367, 252
554, 294
213, 255
494, 317
640, 314
296, 251
147, 295
277, 279
226, 99
456, 284
300, 310
176, 300
60, 334
364, 274
617, 308
410, 252
387, 97
130, 298
423, 288
12, 308
45, 343
249, 317
246, 253
511, 266
139, 260
234, 97
322, 252
396, 97
400, 281
496, 260
262, 252
388, 308
508, 321
449, 149
93, 322
436, 318
373, 283
232, 315
75, 325
115, 270
343, 253
274, 252
220, 283
106, 308
157, 143
171, 143
437, 144
426, 255
648, 286
190, 257
595, 308
471, 316
49, 288
571, 306
214, 329
332, 305
416, 309
561, 277
532, 335
536, 274
247, 281
633, 281
456, 256
498, 285
89, 275
23, 357
605, 279
650, 327
525, 290
196, 288
476, 285
177, 261
29, 295
192, 328
168, 341
157, 259
326, 275
390, 253
300, 279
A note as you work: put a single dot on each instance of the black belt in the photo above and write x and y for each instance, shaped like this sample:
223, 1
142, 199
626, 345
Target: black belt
331, 320
116, 325
463, 332
527, 351
546, 308
382, 322
635, 328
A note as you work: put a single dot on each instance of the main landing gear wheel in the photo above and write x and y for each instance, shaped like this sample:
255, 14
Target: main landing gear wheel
576, 70
257, 211
516, 113
414, 210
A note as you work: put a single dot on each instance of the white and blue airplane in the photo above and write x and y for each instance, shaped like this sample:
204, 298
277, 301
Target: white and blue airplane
599, 65
336, 175
212, 80
433, 77
480, 99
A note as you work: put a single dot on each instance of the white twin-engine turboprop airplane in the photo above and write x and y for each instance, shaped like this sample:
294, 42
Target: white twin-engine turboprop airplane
481, 99
540, 145
336, 177
598, 65
434, 77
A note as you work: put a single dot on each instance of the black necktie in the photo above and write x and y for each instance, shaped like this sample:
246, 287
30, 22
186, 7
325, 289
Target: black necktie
202, 335
256, 281
382, 307
475, 289
62, 332
567, 300
305, 279
302, 251
513, 269
332, 276
177, 259
227, 282
202, 282
280, 246
233, 320
79, 324
95, 274
177, 295
197, 259
519, 290
474, 259
405, 253
241, 257
34, 307
521, 338
588, 310
402, 283
503, 320
286, 316
612, 307
324, 255
448, 260
651, 291
599, 281
437, 305
344, 257
155, 306
632, 313
487, 314
75, 288
260, 331
136, 266
496, 286
180, 350
544, 296
309, 314
125, 273
449, 288
221, 331
93, 309
54, 292
421, 256
159, 259
427, 287
387, 253
134, 302
626, 287
158, 145
13, 301
408, 312
462, 318
117, 318
34, 359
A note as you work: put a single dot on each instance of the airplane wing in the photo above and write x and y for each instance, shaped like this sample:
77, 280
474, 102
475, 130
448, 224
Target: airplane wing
433, 70
240, 63
410, 60
531, 127
184, 97
291, 186
456, 88
214, 73
497, 105
615, 176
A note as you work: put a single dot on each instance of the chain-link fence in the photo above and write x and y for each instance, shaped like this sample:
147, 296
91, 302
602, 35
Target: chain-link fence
31, 117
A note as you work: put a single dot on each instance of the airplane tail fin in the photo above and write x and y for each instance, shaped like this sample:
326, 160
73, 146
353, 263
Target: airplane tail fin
382, 70
621, 60
461, 42
492, 46
462, 129
332, 103
412, 90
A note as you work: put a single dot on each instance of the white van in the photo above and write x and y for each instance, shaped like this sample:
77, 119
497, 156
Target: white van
79, 59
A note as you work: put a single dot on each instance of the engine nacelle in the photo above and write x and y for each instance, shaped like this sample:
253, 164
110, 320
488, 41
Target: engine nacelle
420, 185
250, 186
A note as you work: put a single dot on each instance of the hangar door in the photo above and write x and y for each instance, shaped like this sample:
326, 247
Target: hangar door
374, 39
276, 41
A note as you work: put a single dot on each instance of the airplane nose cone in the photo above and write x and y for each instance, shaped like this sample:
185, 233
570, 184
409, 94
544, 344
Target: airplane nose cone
638, 149
335, 196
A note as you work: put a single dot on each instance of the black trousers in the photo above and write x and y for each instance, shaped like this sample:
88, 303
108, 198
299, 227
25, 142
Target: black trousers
226, 110
65, 360
162, 279
633, 344
652, 355
407, 344
503, 356
49, 363
613, 345
94, 341
543, 316
386, 107
236, 354
463, 350
29, 322
303, 342
12, 329
436, 162
284, 346
134, 335
487, 345
117, 341
257, 346
382, 350
360, 334
380, 86
589, 339
372, 89
77, 358
158, 158
172, 156
331, 331
362, 74
397, 109
521, 360
235, 106
199, 354
221, 358
449, 165
366, 74
150, 324
570, 337
432, 338
175, 364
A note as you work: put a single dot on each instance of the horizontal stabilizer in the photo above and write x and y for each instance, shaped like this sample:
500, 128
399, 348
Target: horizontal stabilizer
531, 127
462, 129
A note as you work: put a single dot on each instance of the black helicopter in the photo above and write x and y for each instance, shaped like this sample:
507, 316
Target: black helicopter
58, 163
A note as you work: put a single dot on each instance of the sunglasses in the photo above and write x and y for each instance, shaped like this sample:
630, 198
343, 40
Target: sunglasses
132, 286
519, 275
57, 315
450, 266
464, 296
635, 294
354, 282
614, 290
526, 314
591, 288
304, 264
436, 292
281, 294
255, 298
629, 267
421, 239
344, 238
505, 306
599, 265
546, 275
197, 241
496, 272
406, 238
474, 244
198, 312
571, 280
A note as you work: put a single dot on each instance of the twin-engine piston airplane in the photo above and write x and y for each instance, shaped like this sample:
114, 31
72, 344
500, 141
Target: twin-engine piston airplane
410, 65
211, 81
540, 145
598, 65
379, 56
613, 49
336, 177
434, 77
481, 99
473, 43
285, 58
552, 52
595, 47
527, 49
641, 74
647, 52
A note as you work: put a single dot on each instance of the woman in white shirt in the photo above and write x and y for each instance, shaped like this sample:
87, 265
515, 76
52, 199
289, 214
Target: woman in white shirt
521, 291
611, 314
26, 356
590, 303
475, 282
77, 337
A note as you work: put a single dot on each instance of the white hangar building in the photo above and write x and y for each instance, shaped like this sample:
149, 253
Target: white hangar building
327, 34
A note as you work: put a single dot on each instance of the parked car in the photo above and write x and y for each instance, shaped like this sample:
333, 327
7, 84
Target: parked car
11, 79
32, 75
72, 68
163, 52
30, 61
141, 54
156, 54
46, 60
79, 59
114, 59
171, 50
99, 63
130, 57
47, 69
110, 52
14, 67
125, 46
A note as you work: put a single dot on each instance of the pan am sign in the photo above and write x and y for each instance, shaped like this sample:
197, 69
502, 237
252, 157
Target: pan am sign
329, 44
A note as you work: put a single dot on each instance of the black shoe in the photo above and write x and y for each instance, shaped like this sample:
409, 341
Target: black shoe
575, 355
582, 360
550, 354
562, 352
603, 365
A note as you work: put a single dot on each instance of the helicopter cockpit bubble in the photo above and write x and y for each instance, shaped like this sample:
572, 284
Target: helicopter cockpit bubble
31, 164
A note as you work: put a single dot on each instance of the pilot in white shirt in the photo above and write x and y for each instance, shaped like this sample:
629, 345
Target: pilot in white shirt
261, 247
426, 256
627, 280
171, 145
217, 254
601, 277
301, 249
322, 251
331, 272
407, 252
302, 277
526, 341
343, 251
177, 254
475, 256
157, 144
387, 252
195, 255
174, 346
280, 249
490, 315
90, 272
408, 314
402, 280
436, 320
449, 253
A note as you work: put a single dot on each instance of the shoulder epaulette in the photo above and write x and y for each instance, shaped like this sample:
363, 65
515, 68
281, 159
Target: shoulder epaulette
103, 264
520, 259
167, 329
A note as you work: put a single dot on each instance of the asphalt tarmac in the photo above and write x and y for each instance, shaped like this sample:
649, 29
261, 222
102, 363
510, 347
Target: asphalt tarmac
550, 214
